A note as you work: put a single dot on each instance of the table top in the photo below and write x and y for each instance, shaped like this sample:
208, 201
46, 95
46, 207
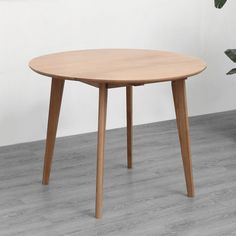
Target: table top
118, 66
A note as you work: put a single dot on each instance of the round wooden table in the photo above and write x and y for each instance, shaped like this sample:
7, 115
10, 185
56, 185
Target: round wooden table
110, 68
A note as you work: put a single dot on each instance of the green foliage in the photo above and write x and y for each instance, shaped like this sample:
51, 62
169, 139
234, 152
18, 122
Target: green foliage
231, 53
220, 3
233, 71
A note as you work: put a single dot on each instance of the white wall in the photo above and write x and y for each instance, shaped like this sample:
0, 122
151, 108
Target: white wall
215, 92
29, 28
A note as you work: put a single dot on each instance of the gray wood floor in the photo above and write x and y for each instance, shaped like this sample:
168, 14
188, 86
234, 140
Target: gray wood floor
150, 199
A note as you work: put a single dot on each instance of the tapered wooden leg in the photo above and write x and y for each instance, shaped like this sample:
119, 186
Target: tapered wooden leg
100, 148
180, 101
129, 110
54, 110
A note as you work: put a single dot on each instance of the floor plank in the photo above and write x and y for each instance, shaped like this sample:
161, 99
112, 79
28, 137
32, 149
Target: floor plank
150, 199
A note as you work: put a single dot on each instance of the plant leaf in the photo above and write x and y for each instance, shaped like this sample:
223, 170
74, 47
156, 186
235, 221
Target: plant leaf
220, 3
231, 53
231, 72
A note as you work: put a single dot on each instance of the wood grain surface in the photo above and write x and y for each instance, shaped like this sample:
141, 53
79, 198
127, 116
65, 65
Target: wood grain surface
118, 66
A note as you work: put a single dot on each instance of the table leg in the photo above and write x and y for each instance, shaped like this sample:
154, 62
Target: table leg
129, 110
100, 148
180, 101
54, 110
